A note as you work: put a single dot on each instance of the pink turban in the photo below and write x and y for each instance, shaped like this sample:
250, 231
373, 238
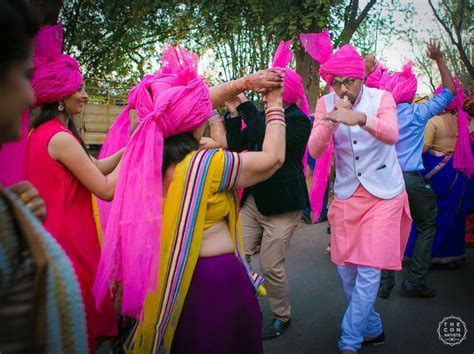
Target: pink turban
56, 75
402, 85
293, 83
173, 101
345, 62
374, 78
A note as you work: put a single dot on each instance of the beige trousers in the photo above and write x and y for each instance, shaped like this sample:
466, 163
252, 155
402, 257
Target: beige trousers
272, 234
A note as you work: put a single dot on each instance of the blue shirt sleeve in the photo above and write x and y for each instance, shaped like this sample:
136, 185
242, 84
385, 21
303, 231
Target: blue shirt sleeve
433, 106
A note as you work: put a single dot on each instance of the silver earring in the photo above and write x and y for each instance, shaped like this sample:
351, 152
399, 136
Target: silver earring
60, 107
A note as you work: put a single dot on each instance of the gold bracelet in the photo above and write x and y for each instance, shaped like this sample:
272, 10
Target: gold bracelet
276, 123
275, 108
274, 116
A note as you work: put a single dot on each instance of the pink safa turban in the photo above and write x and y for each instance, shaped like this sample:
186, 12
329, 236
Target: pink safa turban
402, 85
56, 75
373, 79
173, 101
293, 83
344, 62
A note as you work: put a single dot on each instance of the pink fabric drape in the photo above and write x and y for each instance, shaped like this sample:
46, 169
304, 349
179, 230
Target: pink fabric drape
13, 156
180, 102
463, 160
56, 75
141, 101
344, 62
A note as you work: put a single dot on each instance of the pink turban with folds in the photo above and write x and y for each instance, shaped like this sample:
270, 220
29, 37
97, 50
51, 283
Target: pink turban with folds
373, 79
56, 75
173, 101
293, 83
402, 85
344, 62
463, 160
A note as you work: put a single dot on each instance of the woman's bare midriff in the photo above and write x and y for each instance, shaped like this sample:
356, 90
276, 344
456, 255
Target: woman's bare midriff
216, 240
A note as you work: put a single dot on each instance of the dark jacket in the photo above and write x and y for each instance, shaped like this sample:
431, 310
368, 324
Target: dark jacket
286, 190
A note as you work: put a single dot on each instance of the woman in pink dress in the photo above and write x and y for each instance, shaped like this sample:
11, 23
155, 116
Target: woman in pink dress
66, 175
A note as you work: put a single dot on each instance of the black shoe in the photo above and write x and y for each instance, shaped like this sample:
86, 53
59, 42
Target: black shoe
307, 218
420, 290
276, 329
385, 288
380, 339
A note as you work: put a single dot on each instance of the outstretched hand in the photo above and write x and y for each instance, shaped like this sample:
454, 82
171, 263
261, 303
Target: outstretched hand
433, 51
264, 80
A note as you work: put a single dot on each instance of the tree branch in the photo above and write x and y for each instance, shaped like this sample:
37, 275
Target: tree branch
350, 26
458, 43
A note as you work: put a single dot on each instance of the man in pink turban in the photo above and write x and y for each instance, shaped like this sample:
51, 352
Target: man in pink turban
271, 210
412, 119
369, 217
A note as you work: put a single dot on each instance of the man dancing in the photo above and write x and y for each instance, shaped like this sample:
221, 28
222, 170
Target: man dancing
369, 217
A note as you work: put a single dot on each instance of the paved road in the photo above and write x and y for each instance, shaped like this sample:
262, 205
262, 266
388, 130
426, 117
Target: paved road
410, 324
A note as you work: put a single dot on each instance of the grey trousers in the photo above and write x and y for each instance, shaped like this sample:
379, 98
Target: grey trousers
423, 210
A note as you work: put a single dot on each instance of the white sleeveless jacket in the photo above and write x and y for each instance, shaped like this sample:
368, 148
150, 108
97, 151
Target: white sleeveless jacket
361, 158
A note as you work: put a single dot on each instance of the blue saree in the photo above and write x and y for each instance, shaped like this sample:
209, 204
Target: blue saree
450, 187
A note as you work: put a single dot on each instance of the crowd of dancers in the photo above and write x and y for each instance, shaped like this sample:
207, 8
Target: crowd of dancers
148, 246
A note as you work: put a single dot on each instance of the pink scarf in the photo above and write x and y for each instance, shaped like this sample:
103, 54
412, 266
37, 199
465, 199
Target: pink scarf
177, 100
344, 62
13, 156
463, 161
56, 76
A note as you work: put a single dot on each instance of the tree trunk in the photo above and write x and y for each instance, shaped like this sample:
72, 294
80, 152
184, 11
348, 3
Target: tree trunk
49, 10
308, 69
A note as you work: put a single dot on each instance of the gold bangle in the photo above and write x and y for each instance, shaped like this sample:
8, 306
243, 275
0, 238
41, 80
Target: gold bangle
274, 116
275, 108
276, 123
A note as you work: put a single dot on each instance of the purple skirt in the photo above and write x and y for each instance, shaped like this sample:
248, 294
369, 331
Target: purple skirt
221, 313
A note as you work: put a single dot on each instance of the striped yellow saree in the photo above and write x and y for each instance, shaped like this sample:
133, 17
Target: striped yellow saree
184, 214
